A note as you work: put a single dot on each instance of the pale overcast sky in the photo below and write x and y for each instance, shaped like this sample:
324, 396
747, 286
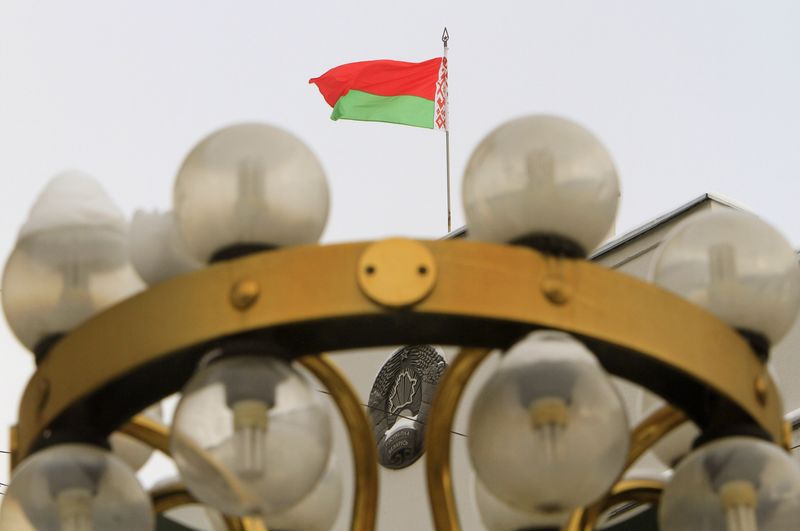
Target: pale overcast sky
688, 96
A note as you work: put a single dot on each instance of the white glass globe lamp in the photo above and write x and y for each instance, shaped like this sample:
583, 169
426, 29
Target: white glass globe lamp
75, 487
733, 484
543, 181
70, 261
737, 267
156, 249
498, 516
249, 186
318, 510
250, 436
546, 417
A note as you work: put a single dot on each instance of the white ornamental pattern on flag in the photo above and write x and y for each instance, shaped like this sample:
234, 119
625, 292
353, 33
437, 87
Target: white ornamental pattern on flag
441, 118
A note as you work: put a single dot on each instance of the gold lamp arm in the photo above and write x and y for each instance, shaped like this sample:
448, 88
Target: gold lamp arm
148, 431
636, 490
437, 438
649, 431
437, 443
362, 440
365, 456
156, 435
167, 497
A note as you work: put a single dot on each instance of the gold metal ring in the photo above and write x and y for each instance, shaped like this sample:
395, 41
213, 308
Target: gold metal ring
484, 295
331, 312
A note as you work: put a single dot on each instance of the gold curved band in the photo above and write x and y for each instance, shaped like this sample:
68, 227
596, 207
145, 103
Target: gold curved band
315, 298
311, 295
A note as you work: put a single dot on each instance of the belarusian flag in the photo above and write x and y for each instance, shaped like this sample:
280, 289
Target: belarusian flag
388, 91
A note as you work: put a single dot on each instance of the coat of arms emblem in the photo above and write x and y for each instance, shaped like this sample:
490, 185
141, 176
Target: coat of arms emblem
400, 401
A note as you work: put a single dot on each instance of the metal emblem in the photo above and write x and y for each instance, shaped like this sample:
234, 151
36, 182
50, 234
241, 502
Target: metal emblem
400, 401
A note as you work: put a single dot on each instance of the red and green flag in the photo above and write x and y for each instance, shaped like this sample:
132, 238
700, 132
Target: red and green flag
396, 92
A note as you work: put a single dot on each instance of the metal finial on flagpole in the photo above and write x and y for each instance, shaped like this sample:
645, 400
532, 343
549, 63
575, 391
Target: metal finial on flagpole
445, 38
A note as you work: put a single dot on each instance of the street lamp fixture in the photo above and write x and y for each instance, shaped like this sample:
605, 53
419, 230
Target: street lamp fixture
250, 295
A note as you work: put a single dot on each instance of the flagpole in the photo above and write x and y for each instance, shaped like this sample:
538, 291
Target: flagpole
445, 38
447, 148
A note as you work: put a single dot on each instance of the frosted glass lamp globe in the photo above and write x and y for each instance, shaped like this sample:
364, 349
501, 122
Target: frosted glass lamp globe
250, 436
156, 249
497, 516
546, 417
249, 184
75, 487
70, 260
540, 176
318, 510
733, 484
737, 267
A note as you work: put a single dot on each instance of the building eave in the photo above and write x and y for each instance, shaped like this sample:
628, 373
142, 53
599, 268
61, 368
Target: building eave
641, 230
